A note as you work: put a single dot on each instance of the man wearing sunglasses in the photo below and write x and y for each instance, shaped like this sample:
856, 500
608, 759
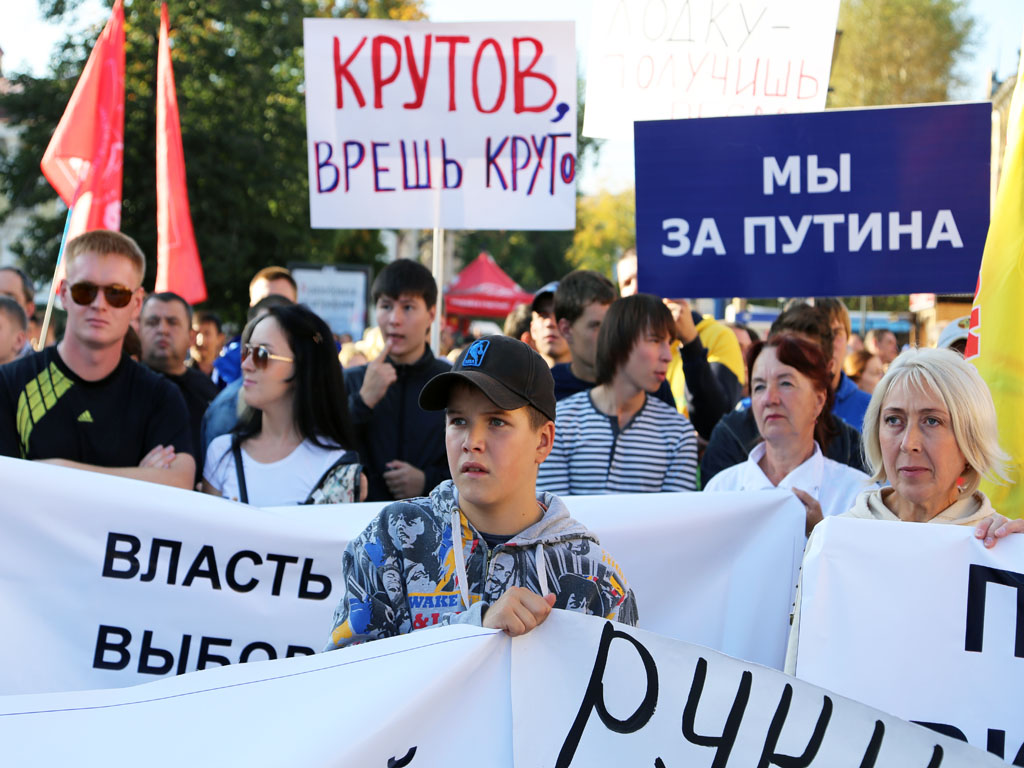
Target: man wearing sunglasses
85, 405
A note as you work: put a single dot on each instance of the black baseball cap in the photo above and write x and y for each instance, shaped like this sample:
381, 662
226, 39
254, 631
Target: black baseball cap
506, 370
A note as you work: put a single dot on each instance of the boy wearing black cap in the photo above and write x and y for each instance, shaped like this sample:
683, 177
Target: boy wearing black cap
484, 548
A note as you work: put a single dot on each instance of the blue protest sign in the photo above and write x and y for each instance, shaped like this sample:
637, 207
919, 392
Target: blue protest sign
837, 203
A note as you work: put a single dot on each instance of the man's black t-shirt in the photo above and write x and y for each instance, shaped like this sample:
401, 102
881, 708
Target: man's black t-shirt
198, 390
48, 412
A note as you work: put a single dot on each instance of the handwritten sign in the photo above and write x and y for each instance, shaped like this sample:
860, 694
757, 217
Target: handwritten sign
575, 691
671, 59
592, 693
921, 621
837, 203
462, 126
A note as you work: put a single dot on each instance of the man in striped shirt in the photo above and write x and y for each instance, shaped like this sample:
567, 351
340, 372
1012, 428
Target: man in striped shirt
616, 438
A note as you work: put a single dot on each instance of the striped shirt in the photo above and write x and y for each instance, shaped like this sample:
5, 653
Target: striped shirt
656, 451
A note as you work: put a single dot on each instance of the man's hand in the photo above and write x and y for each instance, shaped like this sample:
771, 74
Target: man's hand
55, 462
995, 527
404, 480
518, 611
380, 374
178, 471
159, 458
683, 317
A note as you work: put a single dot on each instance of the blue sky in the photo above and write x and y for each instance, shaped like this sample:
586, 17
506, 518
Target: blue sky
27, 43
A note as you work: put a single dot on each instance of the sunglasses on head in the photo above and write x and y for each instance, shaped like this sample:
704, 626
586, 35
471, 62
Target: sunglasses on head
116, 295
261, 356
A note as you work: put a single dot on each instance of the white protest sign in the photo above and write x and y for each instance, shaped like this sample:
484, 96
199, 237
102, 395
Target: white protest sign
670, 59
337, 294
461, 126
429, 698
703, 564
921, 621
587, 692
463, 696
107, 582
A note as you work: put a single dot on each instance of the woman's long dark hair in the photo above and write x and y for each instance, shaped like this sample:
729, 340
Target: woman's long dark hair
808, 358
320, 403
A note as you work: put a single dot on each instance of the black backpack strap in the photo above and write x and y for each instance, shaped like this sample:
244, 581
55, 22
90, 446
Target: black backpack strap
236, 451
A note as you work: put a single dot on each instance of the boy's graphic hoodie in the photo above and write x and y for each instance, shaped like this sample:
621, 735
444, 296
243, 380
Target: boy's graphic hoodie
402, 573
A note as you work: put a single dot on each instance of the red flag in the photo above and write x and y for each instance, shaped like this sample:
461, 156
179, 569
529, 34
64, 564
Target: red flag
83, 161
177, 258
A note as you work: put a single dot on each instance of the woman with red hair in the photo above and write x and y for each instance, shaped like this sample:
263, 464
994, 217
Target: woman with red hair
791, 396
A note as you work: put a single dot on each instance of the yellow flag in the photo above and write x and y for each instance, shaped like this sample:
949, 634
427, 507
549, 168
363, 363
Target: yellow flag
995, 344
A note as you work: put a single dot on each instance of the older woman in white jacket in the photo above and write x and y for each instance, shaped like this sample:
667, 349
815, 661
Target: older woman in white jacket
791, 396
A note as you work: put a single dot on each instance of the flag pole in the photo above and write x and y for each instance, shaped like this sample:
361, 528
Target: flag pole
438, 270
41, 341
437, 262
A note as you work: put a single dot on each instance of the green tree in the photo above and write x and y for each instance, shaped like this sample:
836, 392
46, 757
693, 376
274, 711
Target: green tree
903, 52
605, 227
238, 67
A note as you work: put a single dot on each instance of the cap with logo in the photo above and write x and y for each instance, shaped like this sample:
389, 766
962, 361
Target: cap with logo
506, 370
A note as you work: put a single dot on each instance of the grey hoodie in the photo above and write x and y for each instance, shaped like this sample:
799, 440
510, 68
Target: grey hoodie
402, 573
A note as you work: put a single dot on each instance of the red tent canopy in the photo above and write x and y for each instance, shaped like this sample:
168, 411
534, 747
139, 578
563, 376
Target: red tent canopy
483, 289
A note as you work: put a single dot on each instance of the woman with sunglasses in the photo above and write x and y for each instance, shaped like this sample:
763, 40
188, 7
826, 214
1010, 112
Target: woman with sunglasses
291, 445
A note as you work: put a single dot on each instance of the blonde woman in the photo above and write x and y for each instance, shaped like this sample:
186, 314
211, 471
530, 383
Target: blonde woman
930, 431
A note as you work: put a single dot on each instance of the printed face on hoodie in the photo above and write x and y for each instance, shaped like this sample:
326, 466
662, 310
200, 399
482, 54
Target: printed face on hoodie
576, 602
419, 580
501, 575
404, 530
393, 584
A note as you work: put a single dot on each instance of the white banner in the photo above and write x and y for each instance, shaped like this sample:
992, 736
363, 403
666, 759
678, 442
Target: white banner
431, 698
671, 59
461, 126
107, 582
714, 569
623, 695
575, 691
921, 621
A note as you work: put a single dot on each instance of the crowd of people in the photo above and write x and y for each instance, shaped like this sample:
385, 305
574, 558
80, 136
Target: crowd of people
590, 390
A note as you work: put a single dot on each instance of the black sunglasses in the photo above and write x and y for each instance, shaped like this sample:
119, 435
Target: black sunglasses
261, 356
116, 295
